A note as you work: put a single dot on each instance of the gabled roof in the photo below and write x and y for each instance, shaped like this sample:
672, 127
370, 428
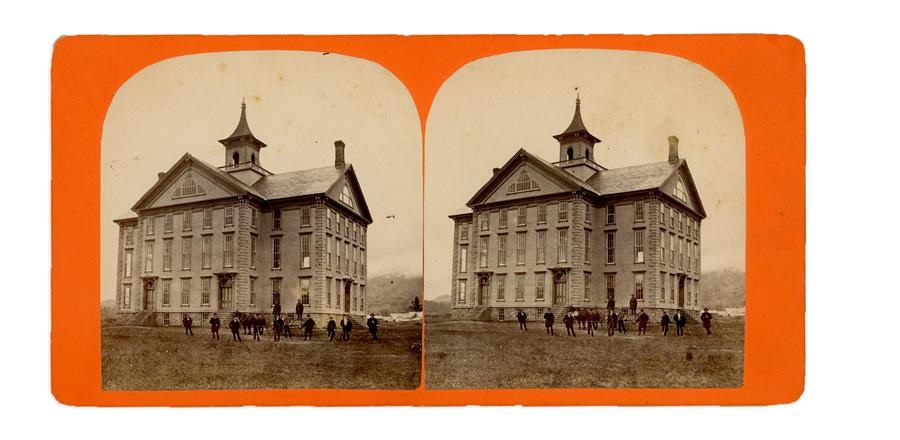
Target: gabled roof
631, 179
315, 181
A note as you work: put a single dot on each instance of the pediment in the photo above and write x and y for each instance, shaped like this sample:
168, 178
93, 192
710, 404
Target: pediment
680, 186
348, 194
188, 181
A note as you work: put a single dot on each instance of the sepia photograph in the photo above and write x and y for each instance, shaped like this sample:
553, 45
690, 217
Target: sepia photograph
584, 224
261, 225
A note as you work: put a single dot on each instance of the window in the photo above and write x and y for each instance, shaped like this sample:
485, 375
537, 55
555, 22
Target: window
504, 217
638, 245
672, 249
355, 259
304, 291
587, 246
696, 292
663, 213
501, 250
347, 258
662, 286
587, 287
362, 261
672, 287
520, 287
329, 217
501, 287
254, 218
355, 231
541, 242
166, 293
229, 216
638, 211
539, 286
126, 296
228, 250
611, 214
169, 224
129, 255
588, 213
681, 253
204, 317
187, 221
185, 292
690, 256
337, 251
167, 254
520, 216
276, 219
687, 286
463, 232
276, 291
276, 253
562, 246
205, 283
149, 226
337, 292
353, 295
206, 251
679, 191
696, 257
148, 256
328, 291
346, 198
207, 219
501, 314
304, 251
186, 253
188, 188
520, 248
541, 213
639, 285
304, 216
485, 221
523, 183
672, 218
254, 242
166, 320
328, 252
483, 251
129, 235
610, 286
347, 227
562, 212
610, 248
461, 291
662, 246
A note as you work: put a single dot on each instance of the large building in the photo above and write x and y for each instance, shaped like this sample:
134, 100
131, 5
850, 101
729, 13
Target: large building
237, 237
572, 233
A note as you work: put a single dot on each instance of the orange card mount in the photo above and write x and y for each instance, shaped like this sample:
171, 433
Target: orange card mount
765, 74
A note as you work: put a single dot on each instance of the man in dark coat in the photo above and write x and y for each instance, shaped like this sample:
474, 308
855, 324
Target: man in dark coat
214, 324
188, 324
372, 323
589, 317
276, 310
664, 322
548, 322
286, 331
247, 324
308, 326
642, 321
612, 320
633, 305
706, 319
611, 305
255, 322
622, 321
235, 326
680, 321
569, 322
299, 309
330, 328
277, 328
522, 317
346, 328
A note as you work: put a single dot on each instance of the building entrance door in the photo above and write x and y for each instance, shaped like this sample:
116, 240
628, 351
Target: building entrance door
225, 297
559, 289
346, 297
484, 289
148, 298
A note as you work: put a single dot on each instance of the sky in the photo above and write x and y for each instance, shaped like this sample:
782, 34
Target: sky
631, 100
298, 103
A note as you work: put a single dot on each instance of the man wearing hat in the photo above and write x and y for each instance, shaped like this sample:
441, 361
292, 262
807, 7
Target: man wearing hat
372, 323
706, 319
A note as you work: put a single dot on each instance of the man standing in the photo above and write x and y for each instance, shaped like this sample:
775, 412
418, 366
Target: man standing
308, 326
589, 316
706, 319
611, 322
188, 324
277, 328
664, 322
642, 321
680, 321
548, 322
569, 322
235, 326
276, 310
522, 317
372, 323
214, 324
611, 305
346, 328
299, 309
633, 305
255, 322
330, 327
622, 321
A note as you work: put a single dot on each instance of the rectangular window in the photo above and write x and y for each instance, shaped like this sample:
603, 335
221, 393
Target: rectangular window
672, 249
610, 248
129, 256
347, 227
461, 291
276, 219
504, 218
254, 218
541, 247
681, 253
639, 211
148, 256
304, 216
337, 252
207, 219
690, 256
501, 287
355, 231
166, 293
304, 290
671, 287
205, 284
169, 223
463, 232
229, 216
483, 251
129, 236
166, 319
254, 243
501, 250
355, 259
687, 287
588, 213
520, 248
663, 277
485, 220
638, 245
304, 251
337, 293
610, 286
520, 287
328, 252
328, 292
185, 292
501, 314
672, 218
252, 291
187, 221
186, 253
662, 246
167, 254
149, 224
539, 286
587, 246
347, 258
228, 250
587, 287
362, 262
206, 251
639, 285
520, 216
126, 296
541, 213
697, 257
353, 295
563, 212
562, 246
680, 222
611, 214
276, 291
276, 252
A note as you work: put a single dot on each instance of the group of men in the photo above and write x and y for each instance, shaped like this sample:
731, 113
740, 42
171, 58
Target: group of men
258, 324
589, 319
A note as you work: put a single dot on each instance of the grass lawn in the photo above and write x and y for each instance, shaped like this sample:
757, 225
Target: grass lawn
146, 358
467, 355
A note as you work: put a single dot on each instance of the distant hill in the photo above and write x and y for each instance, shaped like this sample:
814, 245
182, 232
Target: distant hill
438, 306
723, 288
392, 293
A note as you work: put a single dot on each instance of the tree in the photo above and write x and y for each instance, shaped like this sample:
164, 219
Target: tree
416, 305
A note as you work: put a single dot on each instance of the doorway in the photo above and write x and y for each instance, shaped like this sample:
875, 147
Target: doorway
148, 297
346, 297
680, 292
559, 289
484, 289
